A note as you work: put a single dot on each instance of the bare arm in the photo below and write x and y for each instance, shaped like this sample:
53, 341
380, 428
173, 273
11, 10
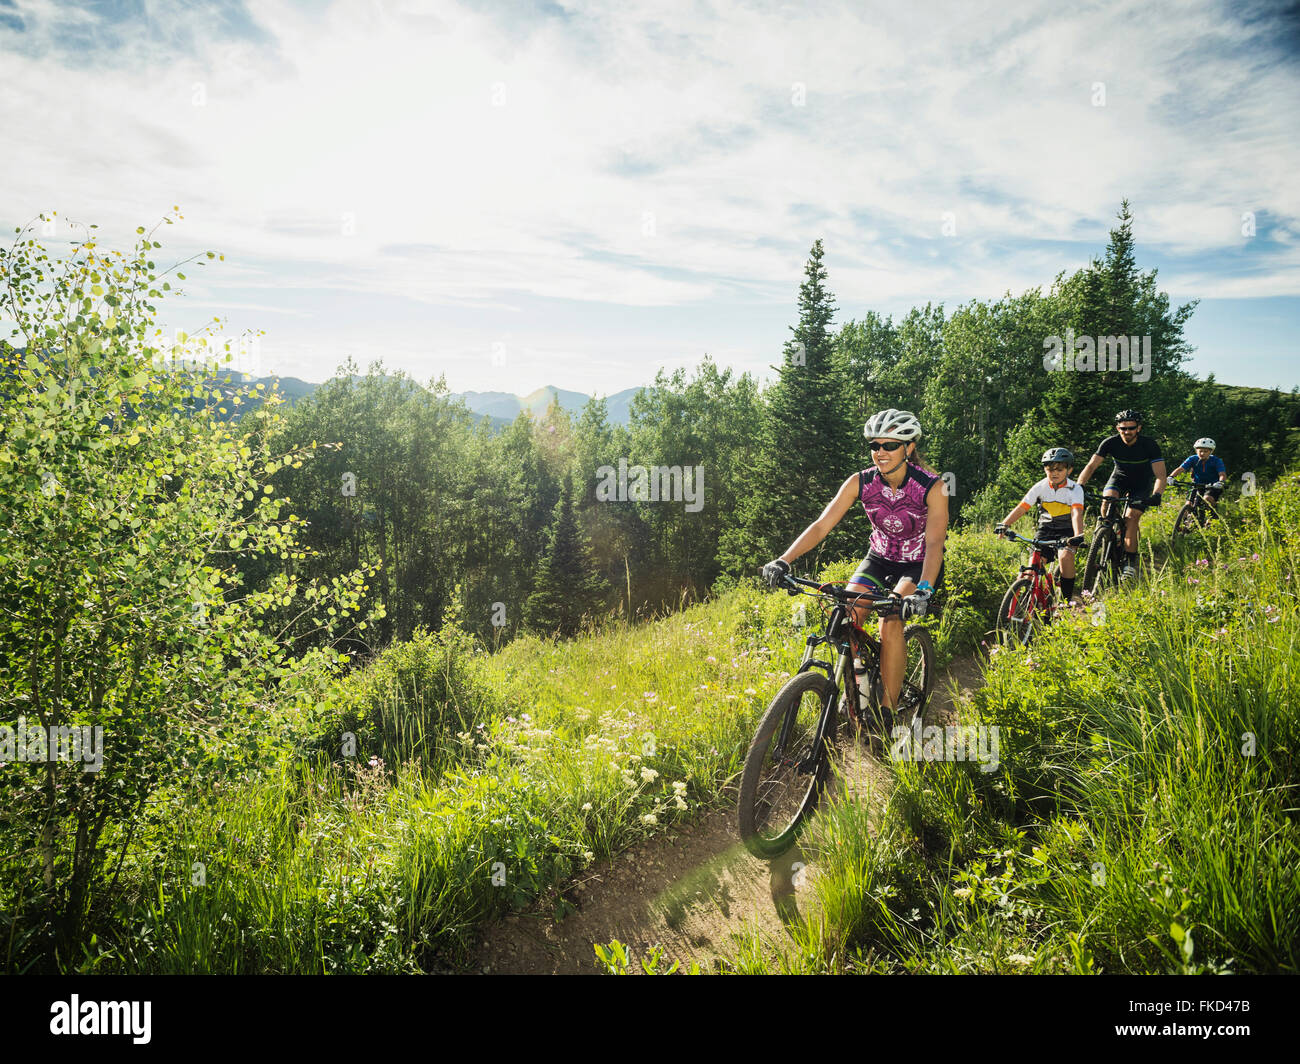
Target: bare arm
1015, 515
1090, 468
831, 516
936, 531
1158, 467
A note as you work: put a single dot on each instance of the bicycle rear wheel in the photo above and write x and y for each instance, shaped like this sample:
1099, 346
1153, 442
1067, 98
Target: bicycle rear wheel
1019, 614
918, 676
783, 774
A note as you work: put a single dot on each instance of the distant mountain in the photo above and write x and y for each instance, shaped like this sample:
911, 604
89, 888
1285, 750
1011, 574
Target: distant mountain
500, 407
504, 407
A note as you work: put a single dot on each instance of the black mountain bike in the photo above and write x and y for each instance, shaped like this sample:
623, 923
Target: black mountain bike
1106, 555
789, 761
1196, 511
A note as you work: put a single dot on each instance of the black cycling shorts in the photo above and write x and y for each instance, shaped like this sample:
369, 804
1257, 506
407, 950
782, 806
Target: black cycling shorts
1054, 528
879, 572
1139, 490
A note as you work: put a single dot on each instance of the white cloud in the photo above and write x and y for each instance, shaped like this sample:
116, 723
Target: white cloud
652, 154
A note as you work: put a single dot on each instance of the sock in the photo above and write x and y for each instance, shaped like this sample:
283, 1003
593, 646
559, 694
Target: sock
1131, 559
1067, 587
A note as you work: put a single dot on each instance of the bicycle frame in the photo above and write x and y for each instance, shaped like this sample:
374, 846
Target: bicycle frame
1044, 586
1196, 494
850, 641
1111, 515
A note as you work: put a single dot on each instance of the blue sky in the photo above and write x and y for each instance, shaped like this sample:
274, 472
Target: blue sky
578, 194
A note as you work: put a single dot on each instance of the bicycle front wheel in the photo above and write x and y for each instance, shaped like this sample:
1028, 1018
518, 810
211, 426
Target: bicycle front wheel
1186, 521
1099, 559
1019, 614
784, 772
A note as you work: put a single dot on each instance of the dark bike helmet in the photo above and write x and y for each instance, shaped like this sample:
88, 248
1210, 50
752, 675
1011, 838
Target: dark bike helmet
1128, 415
1058, 454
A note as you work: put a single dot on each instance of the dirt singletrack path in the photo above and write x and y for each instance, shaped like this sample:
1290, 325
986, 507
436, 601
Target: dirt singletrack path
692, 892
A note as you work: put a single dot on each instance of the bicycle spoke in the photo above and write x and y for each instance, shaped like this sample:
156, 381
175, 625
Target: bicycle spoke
788, 771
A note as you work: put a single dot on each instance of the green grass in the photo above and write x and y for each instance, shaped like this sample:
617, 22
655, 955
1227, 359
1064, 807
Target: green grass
555, 755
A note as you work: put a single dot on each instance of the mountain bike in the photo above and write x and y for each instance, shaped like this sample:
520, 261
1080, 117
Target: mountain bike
1106, 554
1030, 601
789, 760
1196, 511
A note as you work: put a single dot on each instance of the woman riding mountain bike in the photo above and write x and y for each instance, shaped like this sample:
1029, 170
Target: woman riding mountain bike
908, 509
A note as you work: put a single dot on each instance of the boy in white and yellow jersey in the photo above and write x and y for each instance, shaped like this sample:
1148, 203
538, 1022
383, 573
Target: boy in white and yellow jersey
1061, 501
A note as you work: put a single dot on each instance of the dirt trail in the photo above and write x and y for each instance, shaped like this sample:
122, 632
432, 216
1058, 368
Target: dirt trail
692, 892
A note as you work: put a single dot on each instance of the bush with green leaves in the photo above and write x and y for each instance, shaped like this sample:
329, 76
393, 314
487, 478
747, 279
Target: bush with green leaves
407, 704
128, 501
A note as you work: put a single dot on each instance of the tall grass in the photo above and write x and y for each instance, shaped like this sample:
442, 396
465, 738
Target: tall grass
514, 771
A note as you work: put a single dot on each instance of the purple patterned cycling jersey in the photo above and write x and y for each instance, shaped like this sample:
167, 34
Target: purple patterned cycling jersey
897, 514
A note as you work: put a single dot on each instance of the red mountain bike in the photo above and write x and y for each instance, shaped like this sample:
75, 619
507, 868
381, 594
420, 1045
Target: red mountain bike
1031, 599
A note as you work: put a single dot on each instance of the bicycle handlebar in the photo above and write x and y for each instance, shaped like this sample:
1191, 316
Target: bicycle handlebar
869, 599
1054, 544
1194, 486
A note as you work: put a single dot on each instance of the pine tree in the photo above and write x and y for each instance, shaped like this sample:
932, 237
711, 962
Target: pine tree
1112, 298
807, 442
568, 583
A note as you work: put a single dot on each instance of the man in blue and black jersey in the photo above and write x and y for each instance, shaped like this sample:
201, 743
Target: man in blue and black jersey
1139, 474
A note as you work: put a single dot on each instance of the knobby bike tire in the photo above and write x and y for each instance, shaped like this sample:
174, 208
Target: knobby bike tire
1186, 521
1100, 556
1019, 614
918, 682
775, 796
918, 676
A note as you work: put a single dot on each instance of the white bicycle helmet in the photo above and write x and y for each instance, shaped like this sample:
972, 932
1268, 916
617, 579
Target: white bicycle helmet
1204, 441
893, 424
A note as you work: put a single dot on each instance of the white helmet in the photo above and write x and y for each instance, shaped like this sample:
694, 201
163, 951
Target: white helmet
1204, 441
893, 424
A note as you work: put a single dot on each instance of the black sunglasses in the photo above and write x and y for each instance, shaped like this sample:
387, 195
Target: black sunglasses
1127, 428
892, 445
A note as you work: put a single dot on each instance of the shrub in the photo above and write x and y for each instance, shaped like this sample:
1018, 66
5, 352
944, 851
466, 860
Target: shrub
126, 499
408, 704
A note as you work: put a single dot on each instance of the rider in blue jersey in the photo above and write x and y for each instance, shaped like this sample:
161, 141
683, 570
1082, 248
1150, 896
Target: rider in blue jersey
1207, 468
